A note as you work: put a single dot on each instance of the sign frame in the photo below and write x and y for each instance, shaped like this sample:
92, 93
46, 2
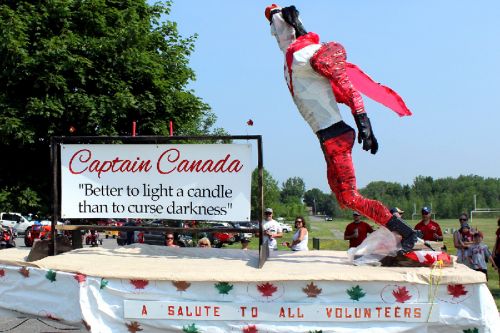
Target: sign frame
55, 158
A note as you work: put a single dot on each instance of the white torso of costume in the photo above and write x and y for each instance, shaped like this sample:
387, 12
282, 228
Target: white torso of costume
312, 93
302, 246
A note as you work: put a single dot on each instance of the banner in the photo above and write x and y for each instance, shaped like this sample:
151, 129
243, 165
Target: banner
305, 312
168, 181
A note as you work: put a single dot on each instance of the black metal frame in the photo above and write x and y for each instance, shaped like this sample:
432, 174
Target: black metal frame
55, 153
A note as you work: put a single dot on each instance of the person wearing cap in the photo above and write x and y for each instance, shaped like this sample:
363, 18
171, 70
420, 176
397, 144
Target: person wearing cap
430, 229
461, 243
479, 255
357, 231
318, 76
395, 211
272, 229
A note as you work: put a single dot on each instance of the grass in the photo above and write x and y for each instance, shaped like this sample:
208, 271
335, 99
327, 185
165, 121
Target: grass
331, 234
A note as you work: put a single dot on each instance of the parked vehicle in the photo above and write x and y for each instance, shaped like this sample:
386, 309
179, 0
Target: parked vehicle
219, 238
16, 221
129, 237
159, 237
286, 227
328, 218
7, 237
245, 225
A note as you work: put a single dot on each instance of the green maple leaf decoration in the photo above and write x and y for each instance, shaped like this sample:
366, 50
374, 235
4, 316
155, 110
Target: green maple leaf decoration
104, 284
471, 330
51, 275
224, 287
190, 328
356, 293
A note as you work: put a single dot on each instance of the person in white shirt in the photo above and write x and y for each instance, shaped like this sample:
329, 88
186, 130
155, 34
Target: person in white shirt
272, 229
301, 236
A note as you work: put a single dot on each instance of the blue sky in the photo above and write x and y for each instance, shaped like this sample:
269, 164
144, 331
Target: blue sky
442, 57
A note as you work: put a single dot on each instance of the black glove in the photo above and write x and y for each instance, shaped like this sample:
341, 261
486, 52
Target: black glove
365, 133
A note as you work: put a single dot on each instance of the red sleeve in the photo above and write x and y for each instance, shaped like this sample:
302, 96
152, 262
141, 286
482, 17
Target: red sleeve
369, 228
330, 62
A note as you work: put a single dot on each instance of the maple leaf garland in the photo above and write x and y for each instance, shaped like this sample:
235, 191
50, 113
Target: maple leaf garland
134, 327
471, 330
80, 277
457, 290
312, 290
401, 294
51, 275
24, 272
104, 283
250, 329
223, 287
139, 284
356, 293
190, 329
181, 285
2, 272
267, 289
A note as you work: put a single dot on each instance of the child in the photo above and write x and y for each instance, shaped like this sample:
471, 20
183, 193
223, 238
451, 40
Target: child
478, 252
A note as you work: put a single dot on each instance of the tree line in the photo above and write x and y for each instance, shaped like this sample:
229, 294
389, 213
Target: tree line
448, 197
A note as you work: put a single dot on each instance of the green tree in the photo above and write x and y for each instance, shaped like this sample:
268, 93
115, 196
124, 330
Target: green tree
293, 190
271, 194
88, 67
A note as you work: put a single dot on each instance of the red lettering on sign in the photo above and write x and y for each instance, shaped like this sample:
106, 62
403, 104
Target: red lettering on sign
144, 310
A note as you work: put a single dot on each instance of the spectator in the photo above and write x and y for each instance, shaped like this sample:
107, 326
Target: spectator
478, 254
170, 240
395, 211
496, 250
272, 229
458, 242
430, 229
301, 236
244, 243
204, 242
357, 230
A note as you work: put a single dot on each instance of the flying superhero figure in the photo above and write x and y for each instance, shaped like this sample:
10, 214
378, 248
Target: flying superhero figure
318, 76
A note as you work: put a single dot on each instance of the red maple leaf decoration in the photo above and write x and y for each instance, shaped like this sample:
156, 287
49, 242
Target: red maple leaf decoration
401, 294
134, 327
429, 259
457, 290
181, 285
24, 272
51, 316
250, 122
267, 289
2, 272
139, 284
80, 277
312, 290
250, 329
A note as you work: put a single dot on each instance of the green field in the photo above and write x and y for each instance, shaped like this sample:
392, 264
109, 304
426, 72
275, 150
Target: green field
331, 238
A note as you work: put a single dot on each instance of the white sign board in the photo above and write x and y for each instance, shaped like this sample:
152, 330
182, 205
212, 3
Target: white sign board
306, 312
170, 181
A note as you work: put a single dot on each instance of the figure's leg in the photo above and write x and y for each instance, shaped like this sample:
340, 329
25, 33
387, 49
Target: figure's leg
342, 180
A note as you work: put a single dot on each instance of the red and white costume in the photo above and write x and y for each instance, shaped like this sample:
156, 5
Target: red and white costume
318, 77
314, 91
